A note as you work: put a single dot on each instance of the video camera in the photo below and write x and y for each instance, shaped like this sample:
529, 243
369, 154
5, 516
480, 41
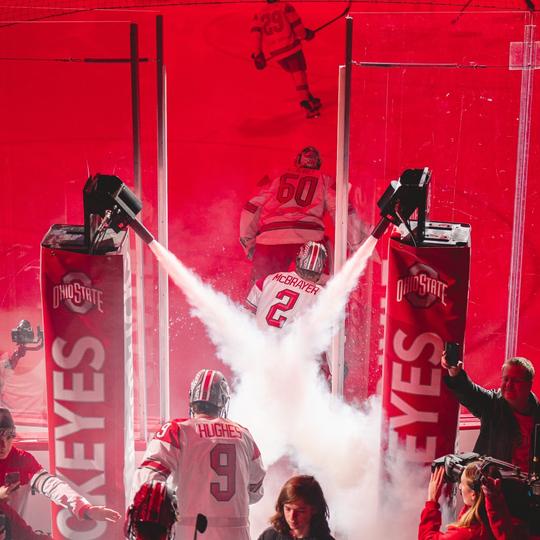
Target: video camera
24, 335
521, 491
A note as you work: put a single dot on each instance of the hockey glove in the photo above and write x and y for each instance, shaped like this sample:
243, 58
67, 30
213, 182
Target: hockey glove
310, 34
260, 60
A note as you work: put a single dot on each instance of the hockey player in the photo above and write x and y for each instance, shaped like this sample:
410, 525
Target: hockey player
277, 299
20, 473
287, 212
214, 463
277, 33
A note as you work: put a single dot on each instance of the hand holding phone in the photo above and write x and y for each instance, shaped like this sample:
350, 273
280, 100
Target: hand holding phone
12, 481
452, 353
12, 478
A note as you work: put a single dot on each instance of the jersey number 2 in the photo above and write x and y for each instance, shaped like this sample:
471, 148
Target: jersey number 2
223, 461
272, 317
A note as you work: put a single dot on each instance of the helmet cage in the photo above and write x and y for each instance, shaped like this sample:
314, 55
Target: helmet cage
311, 259
210, 386
309, 158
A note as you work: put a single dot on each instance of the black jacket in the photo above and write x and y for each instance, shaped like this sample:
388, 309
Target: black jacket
499, 430
272, 534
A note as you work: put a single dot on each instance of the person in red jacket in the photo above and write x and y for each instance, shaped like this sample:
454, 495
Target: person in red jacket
21, 474
13, 526
484, 515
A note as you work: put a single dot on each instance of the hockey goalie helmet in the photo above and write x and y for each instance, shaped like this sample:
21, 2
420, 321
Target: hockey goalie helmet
309, 158
210, 386
152, 514
311, 260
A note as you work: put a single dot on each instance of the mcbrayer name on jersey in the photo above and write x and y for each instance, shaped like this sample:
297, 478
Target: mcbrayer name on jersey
306, 286
219, 430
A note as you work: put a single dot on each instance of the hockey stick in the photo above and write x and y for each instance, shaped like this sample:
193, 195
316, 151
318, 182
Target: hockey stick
327, 23
345, 11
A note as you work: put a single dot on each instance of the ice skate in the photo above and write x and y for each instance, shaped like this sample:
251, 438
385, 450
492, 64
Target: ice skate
315, 102
311, 111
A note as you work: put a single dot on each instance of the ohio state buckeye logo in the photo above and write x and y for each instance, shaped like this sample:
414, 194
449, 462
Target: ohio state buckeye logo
77, 294
422, 287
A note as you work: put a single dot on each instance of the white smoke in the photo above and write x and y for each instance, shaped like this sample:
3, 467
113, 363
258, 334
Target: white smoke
290, 411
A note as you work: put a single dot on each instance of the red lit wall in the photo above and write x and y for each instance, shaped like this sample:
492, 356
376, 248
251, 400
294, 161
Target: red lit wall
66, 115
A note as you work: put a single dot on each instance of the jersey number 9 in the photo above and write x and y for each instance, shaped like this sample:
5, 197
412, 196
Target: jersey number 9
223, 462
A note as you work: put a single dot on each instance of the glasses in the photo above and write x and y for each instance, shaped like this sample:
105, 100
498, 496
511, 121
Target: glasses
507, 380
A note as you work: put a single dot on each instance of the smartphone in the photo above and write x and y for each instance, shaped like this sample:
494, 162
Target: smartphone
12, 478
452, 352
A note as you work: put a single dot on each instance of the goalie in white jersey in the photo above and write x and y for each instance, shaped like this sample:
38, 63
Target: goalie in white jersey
289, 211
213, 463
277, 299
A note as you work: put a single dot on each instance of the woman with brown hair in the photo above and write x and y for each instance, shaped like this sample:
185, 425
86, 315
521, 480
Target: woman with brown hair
301, 512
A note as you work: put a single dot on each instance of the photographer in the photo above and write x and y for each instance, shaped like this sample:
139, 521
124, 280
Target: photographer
484, 515
507, 416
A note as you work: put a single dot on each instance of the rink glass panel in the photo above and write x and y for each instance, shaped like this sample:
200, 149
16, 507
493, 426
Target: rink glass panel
67, 114
228, 126
435, 90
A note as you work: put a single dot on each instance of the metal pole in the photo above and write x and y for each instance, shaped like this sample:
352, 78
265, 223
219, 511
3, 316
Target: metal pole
342, 196
520, 197
139, 253
163, 224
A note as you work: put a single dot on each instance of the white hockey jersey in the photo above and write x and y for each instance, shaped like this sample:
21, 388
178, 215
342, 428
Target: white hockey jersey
277, 30
288, 210
277, 299
216, 470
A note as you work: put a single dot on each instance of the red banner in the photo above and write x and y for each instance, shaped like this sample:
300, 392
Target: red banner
87, 320
427, 305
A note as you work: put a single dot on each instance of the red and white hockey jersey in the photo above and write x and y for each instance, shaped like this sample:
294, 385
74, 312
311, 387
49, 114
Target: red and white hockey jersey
215, 468
277, 31
32, 476
288, 210
277, 299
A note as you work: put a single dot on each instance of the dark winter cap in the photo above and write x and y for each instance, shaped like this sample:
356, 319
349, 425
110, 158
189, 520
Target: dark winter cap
7, 425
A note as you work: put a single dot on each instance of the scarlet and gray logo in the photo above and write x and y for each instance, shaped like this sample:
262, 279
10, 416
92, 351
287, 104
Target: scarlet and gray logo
422, 287
77, 294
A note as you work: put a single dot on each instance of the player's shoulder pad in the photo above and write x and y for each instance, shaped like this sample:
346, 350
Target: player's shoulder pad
264, 181
243, 428
170, 432
180, 420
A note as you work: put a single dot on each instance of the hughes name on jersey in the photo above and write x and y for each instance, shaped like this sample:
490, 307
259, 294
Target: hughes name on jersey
215, 468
